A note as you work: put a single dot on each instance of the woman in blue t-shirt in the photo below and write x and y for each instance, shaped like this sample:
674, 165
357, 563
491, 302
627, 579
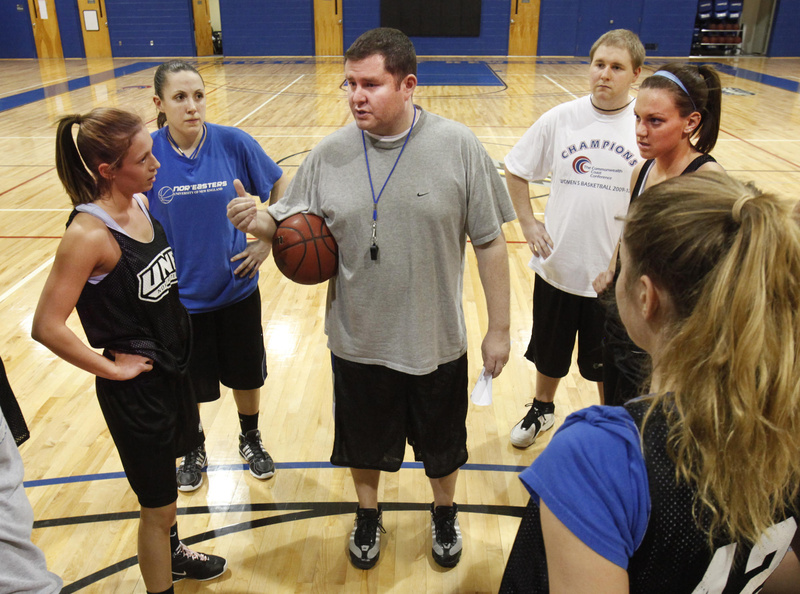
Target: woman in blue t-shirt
696, 487
217, 269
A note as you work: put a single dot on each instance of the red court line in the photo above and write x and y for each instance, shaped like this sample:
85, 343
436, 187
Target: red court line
760, 149
26, 181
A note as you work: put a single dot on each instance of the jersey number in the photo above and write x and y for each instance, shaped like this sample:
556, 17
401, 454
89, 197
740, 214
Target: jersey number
762, 561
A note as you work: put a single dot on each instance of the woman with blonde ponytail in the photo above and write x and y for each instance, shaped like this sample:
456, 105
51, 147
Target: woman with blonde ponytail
115, 267
696, 486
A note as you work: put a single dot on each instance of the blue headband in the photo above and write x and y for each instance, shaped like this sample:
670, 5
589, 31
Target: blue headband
677, 81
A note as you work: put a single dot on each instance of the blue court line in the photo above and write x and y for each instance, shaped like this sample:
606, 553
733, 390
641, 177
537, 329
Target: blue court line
104, 476
765, 79
431, 73
34, 95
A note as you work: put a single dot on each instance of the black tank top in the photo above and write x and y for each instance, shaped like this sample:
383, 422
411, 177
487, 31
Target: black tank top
135, 307
674, 556
630, 361
696, 164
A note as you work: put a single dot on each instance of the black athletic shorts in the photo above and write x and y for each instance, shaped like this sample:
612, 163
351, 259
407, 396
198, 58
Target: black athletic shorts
153, 420
557, 317
228, 347
376, 409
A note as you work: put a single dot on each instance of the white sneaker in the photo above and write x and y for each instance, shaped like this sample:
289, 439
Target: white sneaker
540, 417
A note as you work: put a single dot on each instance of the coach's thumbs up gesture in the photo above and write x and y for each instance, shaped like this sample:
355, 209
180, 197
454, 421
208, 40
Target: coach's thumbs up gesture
244, 215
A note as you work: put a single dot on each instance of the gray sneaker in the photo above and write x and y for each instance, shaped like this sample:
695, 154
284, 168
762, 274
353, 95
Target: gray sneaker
446, 542
365, 539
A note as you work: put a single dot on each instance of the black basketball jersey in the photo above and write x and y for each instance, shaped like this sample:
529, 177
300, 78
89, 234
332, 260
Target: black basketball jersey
696, 164
674, 556
135, 307
11, 410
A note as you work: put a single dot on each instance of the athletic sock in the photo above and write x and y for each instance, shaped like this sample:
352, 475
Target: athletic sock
174, 541
248, 422
170, 590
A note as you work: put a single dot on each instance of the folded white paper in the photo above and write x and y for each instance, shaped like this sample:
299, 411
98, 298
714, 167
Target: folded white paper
482, 392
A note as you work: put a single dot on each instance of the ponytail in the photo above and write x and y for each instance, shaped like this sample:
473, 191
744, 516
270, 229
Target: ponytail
80, 185
708, 130
728, 256
104, 136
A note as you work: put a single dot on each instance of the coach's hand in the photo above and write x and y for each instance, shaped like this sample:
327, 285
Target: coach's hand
242, 211
495, 350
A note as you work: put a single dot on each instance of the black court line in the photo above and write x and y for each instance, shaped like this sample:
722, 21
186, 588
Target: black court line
296, 511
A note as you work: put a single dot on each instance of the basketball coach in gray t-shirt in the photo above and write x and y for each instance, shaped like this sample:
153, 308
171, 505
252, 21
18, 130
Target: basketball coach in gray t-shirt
401, 190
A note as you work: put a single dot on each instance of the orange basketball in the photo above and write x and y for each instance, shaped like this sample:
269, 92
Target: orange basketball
305, 250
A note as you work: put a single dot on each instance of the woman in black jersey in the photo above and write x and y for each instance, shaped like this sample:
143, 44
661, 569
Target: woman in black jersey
115, 267
677, 123
696, 486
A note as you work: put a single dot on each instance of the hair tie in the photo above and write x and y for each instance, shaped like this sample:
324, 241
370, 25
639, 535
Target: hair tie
738, 206
677, 81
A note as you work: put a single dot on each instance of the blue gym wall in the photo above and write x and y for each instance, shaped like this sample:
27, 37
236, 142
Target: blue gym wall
286, 27
558, 30
150, 28
362, 15
267, 27
16, 33
785, 41
69, 25
669, 25
569, 27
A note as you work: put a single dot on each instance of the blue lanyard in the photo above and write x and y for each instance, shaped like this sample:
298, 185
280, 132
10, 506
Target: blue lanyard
373, 249
180, 150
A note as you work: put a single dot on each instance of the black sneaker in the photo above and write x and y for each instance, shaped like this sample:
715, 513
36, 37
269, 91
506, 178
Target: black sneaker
446, 540
189, 564
252, 450
190, 472
540, 417
365, 539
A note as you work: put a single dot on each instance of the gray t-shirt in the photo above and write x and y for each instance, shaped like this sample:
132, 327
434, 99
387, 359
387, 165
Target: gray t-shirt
404, 310
22, 564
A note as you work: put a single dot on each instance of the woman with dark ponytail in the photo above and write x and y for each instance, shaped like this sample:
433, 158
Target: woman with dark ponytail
217, 268
696, 486
115, 267
677, 123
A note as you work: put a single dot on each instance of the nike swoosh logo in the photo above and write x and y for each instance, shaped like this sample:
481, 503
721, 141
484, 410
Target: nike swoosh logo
422, 193
178, 574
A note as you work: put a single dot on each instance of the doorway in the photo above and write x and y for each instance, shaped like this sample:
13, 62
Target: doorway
756, 21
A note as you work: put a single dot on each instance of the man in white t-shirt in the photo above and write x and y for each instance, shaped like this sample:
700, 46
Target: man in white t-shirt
588, 145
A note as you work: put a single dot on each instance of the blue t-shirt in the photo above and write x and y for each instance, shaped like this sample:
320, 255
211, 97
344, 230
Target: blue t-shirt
190, 198
593, 477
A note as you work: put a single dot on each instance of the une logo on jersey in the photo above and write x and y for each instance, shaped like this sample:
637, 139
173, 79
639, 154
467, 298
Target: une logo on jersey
581, 165
156, 280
